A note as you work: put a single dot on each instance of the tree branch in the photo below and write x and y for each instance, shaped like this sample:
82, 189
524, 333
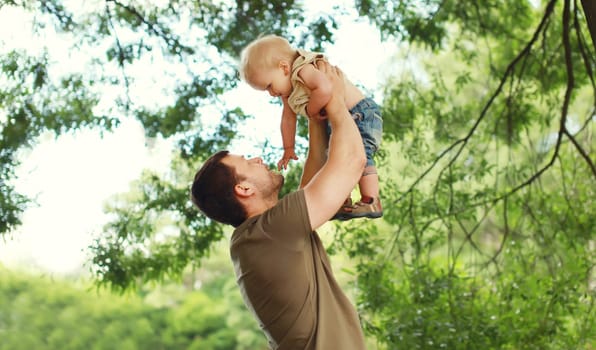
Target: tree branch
121, 56
570, 205
493, 259
564, 110
591, 116
171, 40
570, 85
509, 71
589, 7
581, 151
582, 49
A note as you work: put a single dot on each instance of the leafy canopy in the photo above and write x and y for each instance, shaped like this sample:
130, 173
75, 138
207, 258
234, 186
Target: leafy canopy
487, 167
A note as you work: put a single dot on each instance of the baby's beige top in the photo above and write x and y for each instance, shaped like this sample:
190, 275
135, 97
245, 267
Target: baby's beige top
298, 99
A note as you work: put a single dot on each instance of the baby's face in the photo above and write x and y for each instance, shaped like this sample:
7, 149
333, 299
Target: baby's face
274, 80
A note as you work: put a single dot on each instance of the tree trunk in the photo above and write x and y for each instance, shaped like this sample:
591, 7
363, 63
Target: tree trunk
589, 7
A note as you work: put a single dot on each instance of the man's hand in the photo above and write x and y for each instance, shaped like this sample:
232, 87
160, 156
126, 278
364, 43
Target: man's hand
336, 77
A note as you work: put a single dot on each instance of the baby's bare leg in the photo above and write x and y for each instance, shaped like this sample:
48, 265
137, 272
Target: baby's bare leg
369, 182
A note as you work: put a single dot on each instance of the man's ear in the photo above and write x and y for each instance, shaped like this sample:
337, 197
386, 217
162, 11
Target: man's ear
243, 190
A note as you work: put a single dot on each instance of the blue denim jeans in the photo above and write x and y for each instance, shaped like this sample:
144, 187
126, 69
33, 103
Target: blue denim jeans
367, 115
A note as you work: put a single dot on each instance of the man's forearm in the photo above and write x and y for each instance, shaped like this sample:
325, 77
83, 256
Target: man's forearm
318, 142
345, 145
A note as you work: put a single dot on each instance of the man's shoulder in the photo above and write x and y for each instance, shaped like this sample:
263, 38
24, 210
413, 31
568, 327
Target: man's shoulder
291, 204
287, 221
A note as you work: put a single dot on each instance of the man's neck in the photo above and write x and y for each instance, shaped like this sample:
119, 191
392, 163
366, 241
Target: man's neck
259, 207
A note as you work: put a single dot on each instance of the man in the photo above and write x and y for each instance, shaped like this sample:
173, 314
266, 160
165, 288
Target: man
281, 266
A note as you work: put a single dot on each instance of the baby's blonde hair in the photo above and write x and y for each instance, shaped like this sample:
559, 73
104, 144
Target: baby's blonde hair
264, 52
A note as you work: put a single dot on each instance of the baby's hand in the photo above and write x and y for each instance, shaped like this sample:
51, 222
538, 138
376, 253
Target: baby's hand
288, 154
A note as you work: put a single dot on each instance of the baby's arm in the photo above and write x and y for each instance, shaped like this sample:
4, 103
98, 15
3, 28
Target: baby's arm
288, 135
320, 90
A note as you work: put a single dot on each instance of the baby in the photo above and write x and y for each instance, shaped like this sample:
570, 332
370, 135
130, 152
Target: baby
271, 64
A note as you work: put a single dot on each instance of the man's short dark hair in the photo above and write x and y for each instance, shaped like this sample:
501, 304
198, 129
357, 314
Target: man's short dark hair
212, 191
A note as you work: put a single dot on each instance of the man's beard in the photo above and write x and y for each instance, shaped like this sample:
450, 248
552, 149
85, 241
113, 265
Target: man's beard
271, 187
278, 181
281, 180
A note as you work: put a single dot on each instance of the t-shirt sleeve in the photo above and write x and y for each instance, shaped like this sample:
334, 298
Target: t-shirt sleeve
288, 221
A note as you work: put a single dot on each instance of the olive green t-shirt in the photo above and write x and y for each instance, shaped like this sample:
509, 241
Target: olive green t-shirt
286, 281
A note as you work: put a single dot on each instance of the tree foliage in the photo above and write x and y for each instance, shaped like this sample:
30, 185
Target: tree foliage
490, 226
40, 313
488, 172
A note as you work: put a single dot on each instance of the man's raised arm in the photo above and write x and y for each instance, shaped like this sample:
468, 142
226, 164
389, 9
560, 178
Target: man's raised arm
328, 188
318, 141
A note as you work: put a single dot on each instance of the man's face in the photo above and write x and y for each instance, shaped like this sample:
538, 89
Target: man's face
254, 171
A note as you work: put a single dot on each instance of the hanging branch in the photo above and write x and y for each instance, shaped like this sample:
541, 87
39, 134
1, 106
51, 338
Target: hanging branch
171, 40
570, 205
562, 128
121, 57
588, 121
570, 86
581, 151
508, 72
564, 108
583, 49
589, 7
493, 259
588, 66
